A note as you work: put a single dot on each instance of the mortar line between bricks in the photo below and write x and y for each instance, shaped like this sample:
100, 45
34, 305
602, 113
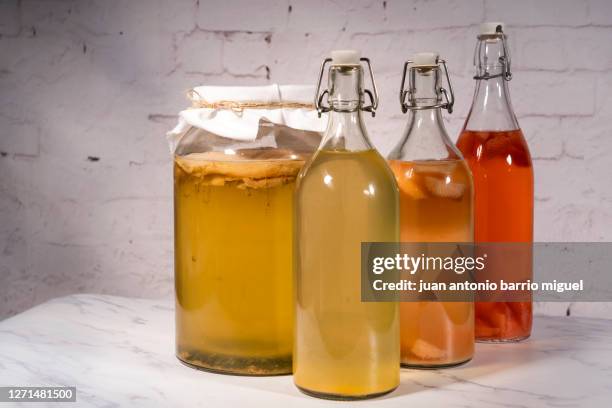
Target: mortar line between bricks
556, 116
573, 27
198, 29
560, 71
535, 70
226, 72
388, 31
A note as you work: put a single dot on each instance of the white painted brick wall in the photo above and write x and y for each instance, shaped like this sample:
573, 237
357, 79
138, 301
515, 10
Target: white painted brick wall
88, 88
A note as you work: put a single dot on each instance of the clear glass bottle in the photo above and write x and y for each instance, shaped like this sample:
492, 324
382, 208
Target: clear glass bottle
436, 205
346, 194
497, 153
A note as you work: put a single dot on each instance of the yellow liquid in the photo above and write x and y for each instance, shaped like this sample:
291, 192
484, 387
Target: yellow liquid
344, 348
435, 206
233, 263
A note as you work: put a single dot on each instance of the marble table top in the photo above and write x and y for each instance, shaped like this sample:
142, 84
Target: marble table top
120, 352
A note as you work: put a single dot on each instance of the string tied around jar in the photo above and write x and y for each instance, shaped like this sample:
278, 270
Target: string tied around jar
198, 102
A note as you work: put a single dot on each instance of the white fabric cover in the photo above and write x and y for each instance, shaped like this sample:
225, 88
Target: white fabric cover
244, 125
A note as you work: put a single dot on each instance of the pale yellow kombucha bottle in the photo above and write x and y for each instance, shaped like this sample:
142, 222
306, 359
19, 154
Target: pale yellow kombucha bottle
344, 348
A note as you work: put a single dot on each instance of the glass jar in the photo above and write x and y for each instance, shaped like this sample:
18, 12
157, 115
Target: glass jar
235, 165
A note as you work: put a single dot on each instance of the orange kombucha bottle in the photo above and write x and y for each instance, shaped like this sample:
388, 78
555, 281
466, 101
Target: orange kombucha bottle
435, 206
495, 149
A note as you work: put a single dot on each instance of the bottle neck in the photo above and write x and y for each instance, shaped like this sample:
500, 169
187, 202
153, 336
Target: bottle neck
425, 137
427, 124
345, 129
491, 106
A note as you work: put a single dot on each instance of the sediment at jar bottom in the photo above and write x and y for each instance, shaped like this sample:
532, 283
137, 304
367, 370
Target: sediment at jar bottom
224, 364
233, 263
435, 206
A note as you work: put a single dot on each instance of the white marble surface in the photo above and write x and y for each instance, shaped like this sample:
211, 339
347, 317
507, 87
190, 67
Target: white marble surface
120, 352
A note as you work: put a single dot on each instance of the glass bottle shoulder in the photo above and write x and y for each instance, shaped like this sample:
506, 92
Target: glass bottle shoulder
425, 138
440, 150
363, 173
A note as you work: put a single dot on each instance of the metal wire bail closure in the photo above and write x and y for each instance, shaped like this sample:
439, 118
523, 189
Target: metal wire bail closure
449, 95
504, 60
372, 94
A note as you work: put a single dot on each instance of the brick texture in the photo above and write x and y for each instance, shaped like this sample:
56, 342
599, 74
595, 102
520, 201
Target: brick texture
88, 89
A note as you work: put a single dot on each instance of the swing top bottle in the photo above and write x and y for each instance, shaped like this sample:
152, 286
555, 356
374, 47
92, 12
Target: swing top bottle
344, 348
497, 153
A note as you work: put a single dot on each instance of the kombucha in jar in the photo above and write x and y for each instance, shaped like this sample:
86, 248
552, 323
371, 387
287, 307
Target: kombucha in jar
495, 149
435, 206
344, 348
233, 261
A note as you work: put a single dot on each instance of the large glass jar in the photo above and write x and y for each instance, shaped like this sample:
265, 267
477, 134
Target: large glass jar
234, 175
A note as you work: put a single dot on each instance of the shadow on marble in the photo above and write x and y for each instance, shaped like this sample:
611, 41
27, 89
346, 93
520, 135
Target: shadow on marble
489, 360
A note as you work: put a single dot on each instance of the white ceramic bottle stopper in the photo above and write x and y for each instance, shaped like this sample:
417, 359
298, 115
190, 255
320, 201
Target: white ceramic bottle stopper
425, 59
345, 57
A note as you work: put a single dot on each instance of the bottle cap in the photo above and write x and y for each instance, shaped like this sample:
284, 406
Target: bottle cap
490, 28
345, 57
425, 59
